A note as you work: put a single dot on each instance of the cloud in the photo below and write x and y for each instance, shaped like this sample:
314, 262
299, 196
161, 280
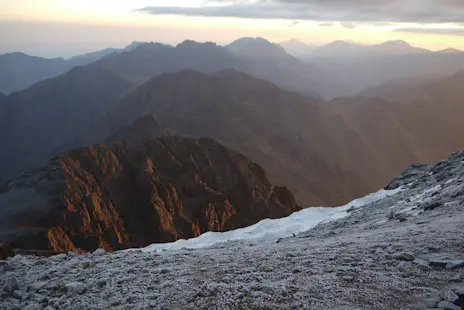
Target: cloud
295, 23
416, 11
326, 24
349, 25
440, 31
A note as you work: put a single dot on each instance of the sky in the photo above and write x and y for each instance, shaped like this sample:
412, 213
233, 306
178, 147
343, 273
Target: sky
54, 28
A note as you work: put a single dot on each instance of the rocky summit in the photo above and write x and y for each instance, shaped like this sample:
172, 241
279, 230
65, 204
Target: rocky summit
404, 251
127, 196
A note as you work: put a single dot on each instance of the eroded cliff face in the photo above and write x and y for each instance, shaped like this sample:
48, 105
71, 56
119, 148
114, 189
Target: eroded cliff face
129, 196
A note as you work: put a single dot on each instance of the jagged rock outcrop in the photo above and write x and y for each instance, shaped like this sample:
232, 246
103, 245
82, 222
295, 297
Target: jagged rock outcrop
128, 196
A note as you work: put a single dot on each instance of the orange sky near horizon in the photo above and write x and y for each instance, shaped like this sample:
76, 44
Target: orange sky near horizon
65, 27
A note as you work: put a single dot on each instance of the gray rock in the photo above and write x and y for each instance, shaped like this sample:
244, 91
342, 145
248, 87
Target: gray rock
59, 256
450, 296
391, 215
422, 264
99, 252
460, 292
456, 278
455, 264
403, 265
33, 307
439, 263
72, 254
11, 285
433, 248
19, 294
448, 306
404, 256
75, 288
41, 285
432, 205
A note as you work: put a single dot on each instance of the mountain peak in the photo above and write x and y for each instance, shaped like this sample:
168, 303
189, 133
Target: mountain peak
294, 41
252, 40
256, 48
450, 50
193, 43
396, 43
134, 134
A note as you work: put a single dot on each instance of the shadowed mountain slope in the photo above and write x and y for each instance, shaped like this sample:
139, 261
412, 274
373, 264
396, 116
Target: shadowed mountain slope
18, 70
55, 115
326, 153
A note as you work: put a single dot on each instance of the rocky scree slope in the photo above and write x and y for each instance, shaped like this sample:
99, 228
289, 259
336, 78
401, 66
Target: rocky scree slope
129, 196
402, 252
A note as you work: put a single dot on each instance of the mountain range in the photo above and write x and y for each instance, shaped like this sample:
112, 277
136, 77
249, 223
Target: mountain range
297, 48
19, 71
341, 68
315, 147
309, 146
352, 49
365, 66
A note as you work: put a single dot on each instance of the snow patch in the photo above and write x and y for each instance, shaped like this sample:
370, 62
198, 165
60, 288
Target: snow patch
272, 229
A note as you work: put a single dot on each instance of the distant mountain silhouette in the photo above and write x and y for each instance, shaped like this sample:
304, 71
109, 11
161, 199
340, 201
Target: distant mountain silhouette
369, 66
271, 62
297, 48
18, 70
257, 48
450, 50
55, 115
351, 49
93, 56
397, 47
338, 48
151, 59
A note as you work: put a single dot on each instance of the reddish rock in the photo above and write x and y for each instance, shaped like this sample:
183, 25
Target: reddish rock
124, 196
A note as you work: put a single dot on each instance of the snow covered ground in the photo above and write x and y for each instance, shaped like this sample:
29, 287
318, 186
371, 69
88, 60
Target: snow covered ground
405, 251
273, 229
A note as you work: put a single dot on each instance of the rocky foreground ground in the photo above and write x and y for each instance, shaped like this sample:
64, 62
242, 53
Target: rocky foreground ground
403, 252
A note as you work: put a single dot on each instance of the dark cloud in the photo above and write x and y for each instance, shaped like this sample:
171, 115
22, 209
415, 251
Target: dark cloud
295, 23
349, 25
442, 31
418, 11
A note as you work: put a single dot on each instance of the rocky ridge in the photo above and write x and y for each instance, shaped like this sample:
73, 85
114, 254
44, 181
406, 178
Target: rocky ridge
159, 190
370, 259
